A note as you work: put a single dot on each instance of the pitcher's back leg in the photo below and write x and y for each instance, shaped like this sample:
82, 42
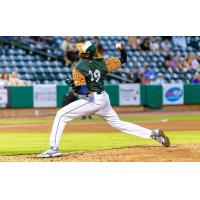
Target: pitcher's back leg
113, 120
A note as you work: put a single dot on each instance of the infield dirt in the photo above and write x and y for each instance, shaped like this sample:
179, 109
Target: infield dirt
175, 153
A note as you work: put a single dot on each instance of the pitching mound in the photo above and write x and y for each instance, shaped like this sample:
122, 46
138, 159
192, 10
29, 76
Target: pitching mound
175, 153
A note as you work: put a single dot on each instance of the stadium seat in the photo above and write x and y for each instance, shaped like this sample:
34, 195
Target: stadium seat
32, 66
19, 58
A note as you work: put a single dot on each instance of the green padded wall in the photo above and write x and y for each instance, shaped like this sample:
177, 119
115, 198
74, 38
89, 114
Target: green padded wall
153, 96
192, 94
20, 97
113, 91
143, 95
61, 91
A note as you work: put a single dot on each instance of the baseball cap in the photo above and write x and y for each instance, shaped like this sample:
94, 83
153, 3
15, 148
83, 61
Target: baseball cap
86, 47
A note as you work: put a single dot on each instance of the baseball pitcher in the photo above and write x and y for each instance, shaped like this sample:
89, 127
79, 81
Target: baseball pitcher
88, 82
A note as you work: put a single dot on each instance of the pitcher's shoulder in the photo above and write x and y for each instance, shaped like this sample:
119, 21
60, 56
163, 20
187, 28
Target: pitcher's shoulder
99, 60
81, 64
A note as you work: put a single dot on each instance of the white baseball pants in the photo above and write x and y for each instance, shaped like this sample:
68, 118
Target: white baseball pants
94, 103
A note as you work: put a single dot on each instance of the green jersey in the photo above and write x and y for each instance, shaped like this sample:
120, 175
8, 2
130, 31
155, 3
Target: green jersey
94, 71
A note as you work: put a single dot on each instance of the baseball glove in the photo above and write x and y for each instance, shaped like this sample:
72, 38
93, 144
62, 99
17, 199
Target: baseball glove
70, 82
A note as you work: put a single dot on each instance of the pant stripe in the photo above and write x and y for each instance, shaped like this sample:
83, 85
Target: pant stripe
65, 114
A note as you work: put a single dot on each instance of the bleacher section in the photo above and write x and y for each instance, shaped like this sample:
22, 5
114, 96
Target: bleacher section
43, 64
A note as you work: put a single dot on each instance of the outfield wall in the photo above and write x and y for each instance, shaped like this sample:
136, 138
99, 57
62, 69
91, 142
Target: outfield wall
152, 96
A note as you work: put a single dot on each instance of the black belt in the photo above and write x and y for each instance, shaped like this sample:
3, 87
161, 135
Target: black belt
100, 92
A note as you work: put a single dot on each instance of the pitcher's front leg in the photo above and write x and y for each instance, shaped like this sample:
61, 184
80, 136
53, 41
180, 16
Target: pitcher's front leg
67, 113
59, 124
76, 109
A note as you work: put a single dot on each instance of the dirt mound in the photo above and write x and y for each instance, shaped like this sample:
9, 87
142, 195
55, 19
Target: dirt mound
175, 153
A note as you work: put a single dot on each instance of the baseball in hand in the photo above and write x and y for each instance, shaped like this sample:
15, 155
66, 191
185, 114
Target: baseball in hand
118, 45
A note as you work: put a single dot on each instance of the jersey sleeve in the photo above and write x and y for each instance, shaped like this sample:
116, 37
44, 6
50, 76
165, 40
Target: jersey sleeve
78, 77
113, 63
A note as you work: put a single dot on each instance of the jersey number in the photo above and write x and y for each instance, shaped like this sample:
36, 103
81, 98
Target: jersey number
95, 76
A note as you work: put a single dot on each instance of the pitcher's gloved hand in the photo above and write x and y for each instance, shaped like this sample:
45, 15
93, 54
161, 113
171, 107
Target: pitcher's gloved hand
69, 82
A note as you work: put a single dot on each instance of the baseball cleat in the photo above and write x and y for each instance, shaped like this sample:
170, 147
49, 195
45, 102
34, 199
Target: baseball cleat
159, 136
51, 152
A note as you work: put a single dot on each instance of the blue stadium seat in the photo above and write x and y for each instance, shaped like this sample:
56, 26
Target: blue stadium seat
48, 70
38, 64
30, 64
141, 59
22, 70
21, 64
11, 51
13, 63
2, 57
46, 64
40, 70
19, 57
10, 57
163, 70
57, 69
34, 66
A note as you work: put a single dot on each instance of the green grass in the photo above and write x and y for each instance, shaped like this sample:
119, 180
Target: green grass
31, 143
134, 118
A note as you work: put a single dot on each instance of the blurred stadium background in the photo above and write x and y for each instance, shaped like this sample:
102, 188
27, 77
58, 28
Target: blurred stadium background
50, 59
152, 61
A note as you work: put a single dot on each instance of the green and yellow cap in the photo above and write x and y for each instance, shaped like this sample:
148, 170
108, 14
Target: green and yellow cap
86, 47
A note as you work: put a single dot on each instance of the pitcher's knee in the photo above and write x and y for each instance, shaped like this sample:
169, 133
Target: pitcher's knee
60, 113
116, 123
63, 115
113, 123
